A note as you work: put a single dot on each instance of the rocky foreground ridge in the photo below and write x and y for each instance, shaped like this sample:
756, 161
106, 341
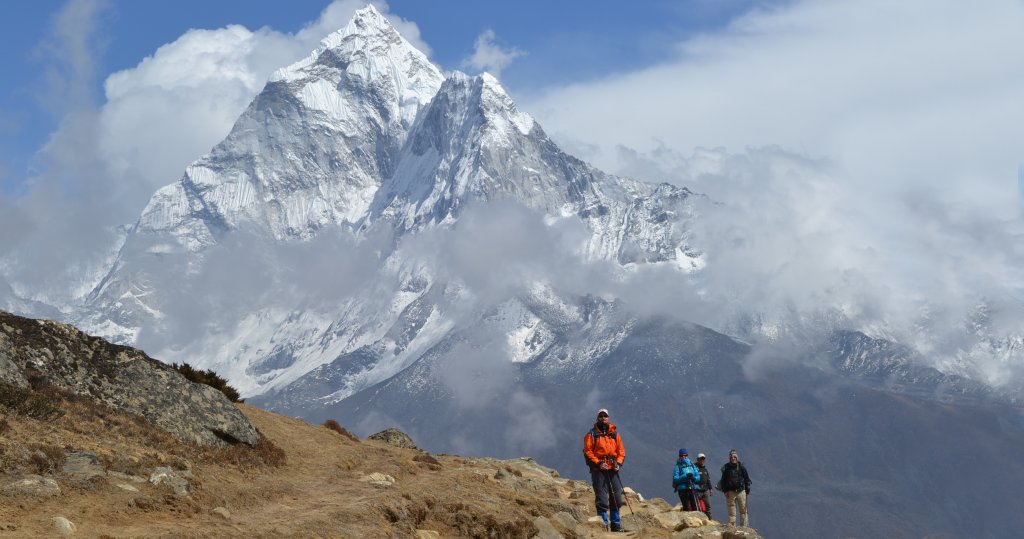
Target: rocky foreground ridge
86, 466
34, 352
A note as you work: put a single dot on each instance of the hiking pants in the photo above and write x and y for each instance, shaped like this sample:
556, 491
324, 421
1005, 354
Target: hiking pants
604, 481
706, 496
686, 498
732, 499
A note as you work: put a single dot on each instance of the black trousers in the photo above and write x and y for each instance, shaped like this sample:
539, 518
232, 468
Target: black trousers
606, 482
686, 497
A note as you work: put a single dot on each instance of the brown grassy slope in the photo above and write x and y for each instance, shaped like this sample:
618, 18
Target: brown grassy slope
315, 491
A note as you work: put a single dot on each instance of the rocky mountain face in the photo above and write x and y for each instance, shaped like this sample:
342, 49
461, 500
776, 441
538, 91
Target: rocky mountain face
365, 139
355, 248
123, 378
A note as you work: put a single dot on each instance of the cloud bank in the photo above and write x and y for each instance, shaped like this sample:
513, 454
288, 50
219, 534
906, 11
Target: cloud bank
865, 158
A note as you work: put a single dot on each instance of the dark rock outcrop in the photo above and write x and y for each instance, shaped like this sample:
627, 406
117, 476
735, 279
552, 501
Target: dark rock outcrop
43, 351
394, 437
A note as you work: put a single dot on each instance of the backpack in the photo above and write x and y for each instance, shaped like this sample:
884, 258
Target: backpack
595, 434
733, 479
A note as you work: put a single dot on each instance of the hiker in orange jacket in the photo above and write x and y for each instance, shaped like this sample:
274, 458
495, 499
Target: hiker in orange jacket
603, 448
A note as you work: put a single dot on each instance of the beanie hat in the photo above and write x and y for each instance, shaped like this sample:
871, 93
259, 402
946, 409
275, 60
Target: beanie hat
733, 453
603, 411
683, 453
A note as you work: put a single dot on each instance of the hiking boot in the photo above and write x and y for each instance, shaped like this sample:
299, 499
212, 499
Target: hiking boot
616, 527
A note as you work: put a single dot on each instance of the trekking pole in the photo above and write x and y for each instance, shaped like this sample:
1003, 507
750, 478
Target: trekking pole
635, 521
693, 494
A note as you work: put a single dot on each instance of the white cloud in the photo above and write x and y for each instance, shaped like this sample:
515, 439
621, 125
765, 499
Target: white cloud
866, 158
103, 162
175, 105
489, 56
931, 87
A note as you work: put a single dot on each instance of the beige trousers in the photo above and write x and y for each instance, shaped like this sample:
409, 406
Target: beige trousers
732, 499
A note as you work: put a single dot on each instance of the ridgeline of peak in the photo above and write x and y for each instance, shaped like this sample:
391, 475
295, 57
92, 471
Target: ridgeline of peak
370, 49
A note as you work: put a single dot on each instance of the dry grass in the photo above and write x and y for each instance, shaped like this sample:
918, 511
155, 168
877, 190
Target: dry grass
243, 457
302, 480
41, 403
336, 427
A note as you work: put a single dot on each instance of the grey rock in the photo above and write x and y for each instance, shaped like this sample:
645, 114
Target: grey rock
221, 512
125, 486
177, 480
545, 530
567, 519
33, 485
82, 465
64, 526
394, 437
717, 532
120, 377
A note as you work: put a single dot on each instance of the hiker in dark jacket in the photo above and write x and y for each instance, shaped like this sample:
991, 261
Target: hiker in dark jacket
686, 481
602, 446
706, 492
735, 483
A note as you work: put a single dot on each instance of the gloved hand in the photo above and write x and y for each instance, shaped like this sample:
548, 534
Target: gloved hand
617, 466
748, 491
605, 465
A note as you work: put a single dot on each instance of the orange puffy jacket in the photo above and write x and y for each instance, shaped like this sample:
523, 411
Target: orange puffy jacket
603, 446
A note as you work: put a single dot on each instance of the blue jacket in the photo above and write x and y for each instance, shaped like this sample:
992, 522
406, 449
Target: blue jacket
686, 470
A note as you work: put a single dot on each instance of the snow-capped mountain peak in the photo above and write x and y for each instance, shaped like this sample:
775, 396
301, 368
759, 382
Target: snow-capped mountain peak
369, 52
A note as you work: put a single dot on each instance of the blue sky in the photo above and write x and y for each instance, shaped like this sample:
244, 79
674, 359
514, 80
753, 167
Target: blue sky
561, 42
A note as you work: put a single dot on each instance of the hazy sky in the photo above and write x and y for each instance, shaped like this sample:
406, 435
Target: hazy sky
867, 152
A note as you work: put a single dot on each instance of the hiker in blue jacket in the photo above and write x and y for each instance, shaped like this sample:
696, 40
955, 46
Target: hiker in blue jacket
686, 481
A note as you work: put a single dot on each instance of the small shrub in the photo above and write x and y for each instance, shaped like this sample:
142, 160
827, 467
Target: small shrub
4, 425
264, 454
43, 405
45, 459
333, 425
210, 378
427, 459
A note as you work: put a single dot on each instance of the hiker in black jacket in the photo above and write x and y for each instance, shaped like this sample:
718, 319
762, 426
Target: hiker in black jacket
735, 483
705, 484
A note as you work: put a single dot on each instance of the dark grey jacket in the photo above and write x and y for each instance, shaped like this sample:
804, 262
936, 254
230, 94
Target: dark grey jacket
734, 478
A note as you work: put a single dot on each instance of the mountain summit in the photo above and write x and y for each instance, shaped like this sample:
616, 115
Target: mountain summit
311, 149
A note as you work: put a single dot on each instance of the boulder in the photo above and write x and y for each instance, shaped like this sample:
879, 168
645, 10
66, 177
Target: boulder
394, 437
64, 526
568, 520
33, 485
177, 480
378, 479
545, 530
82, 465
120, 377
626, 491
221, 512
